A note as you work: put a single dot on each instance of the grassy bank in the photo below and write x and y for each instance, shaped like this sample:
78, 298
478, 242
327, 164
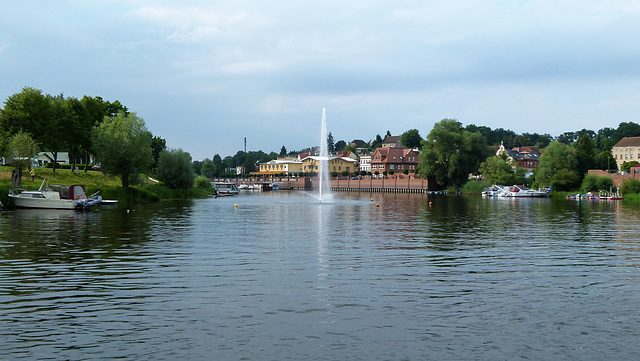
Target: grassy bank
93, 181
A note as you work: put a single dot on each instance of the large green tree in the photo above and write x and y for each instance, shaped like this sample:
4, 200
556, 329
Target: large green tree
585, 154
411, 139
175, 170
450, 153
558, 166
123, 146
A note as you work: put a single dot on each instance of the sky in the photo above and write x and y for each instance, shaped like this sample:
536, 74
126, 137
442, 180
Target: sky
204, 75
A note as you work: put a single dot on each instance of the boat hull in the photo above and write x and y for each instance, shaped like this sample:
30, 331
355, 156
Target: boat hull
43, 203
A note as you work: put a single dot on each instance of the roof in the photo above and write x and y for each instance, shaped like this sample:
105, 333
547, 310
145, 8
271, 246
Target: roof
628, 142
391, 139
358, 143
395, 155
316, 158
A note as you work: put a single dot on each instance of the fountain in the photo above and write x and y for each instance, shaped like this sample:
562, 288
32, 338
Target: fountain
324, 187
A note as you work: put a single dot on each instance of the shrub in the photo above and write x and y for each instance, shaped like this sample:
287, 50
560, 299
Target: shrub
203, 182
604, 183
589, 183
630, 186
175, 169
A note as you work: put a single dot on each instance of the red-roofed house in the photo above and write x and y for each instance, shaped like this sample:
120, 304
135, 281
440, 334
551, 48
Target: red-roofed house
394, 159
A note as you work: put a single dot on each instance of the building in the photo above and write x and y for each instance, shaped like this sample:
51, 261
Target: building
44, 158
626, 150
392, 141
365, 163
394, 159
280, 166
525, 157
336, 164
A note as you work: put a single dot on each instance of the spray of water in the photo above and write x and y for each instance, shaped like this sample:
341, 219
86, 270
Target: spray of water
324, 187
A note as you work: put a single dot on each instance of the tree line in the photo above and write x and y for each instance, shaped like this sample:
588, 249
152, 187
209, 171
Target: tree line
451, 152
31, 121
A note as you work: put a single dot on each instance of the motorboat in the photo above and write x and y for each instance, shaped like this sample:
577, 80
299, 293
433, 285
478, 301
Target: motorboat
226, 188
494, 191
55, 196
523, 191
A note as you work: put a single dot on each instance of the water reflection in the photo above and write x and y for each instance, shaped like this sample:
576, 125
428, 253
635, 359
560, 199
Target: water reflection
367, 277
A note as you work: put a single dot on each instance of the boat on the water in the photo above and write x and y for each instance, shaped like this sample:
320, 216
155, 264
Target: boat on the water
226, 189
54, 196
516, 191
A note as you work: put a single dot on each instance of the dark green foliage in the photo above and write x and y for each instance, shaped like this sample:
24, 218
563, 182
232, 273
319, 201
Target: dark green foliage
626, 166
631, 185
411, 139
450, 153
203, 183
123, 146
557, 167
174, 169
585, 154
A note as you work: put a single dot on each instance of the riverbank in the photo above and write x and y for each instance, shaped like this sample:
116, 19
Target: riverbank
95, 181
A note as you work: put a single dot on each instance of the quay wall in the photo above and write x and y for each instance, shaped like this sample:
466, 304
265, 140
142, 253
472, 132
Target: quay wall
379, 185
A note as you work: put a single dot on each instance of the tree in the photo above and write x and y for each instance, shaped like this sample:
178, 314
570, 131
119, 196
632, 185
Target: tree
157, 146
283, 151
606, 161
497, 170
450, 153
20, 150
340, 145
208, 168
123, 146
585, 154
626, 166
411, 139
377, 143
249, 165
557, 167
175, 170
330, 145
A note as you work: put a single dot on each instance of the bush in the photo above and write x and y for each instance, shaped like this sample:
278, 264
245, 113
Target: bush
204, 183
175, 169
589, 184
630, 186
604, 183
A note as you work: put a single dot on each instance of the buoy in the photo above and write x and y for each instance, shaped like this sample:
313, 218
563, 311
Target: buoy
378, 205
235, 206
371, 199
430, 204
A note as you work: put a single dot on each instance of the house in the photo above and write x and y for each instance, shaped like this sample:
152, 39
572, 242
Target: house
365, 163
358, 143
394, 159
525, 157
392, 141
347, 154
44, 158
280, 166
336, 164
626, 150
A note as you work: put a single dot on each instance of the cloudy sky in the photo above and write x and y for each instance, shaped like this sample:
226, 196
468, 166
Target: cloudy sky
205, 74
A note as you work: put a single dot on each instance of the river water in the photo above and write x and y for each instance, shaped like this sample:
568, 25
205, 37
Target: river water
364, 277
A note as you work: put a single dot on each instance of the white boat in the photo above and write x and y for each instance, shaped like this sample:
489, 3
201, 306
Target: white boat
523, 191
226, 188
55, 196
494, 191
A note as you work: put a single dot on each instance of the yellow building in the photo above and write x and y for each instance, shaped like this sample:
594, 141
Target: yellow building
336, 164
280, 166
626, 150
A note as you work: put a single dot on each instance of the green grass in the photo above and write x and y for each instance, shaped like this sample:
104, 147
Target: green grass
93, 181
